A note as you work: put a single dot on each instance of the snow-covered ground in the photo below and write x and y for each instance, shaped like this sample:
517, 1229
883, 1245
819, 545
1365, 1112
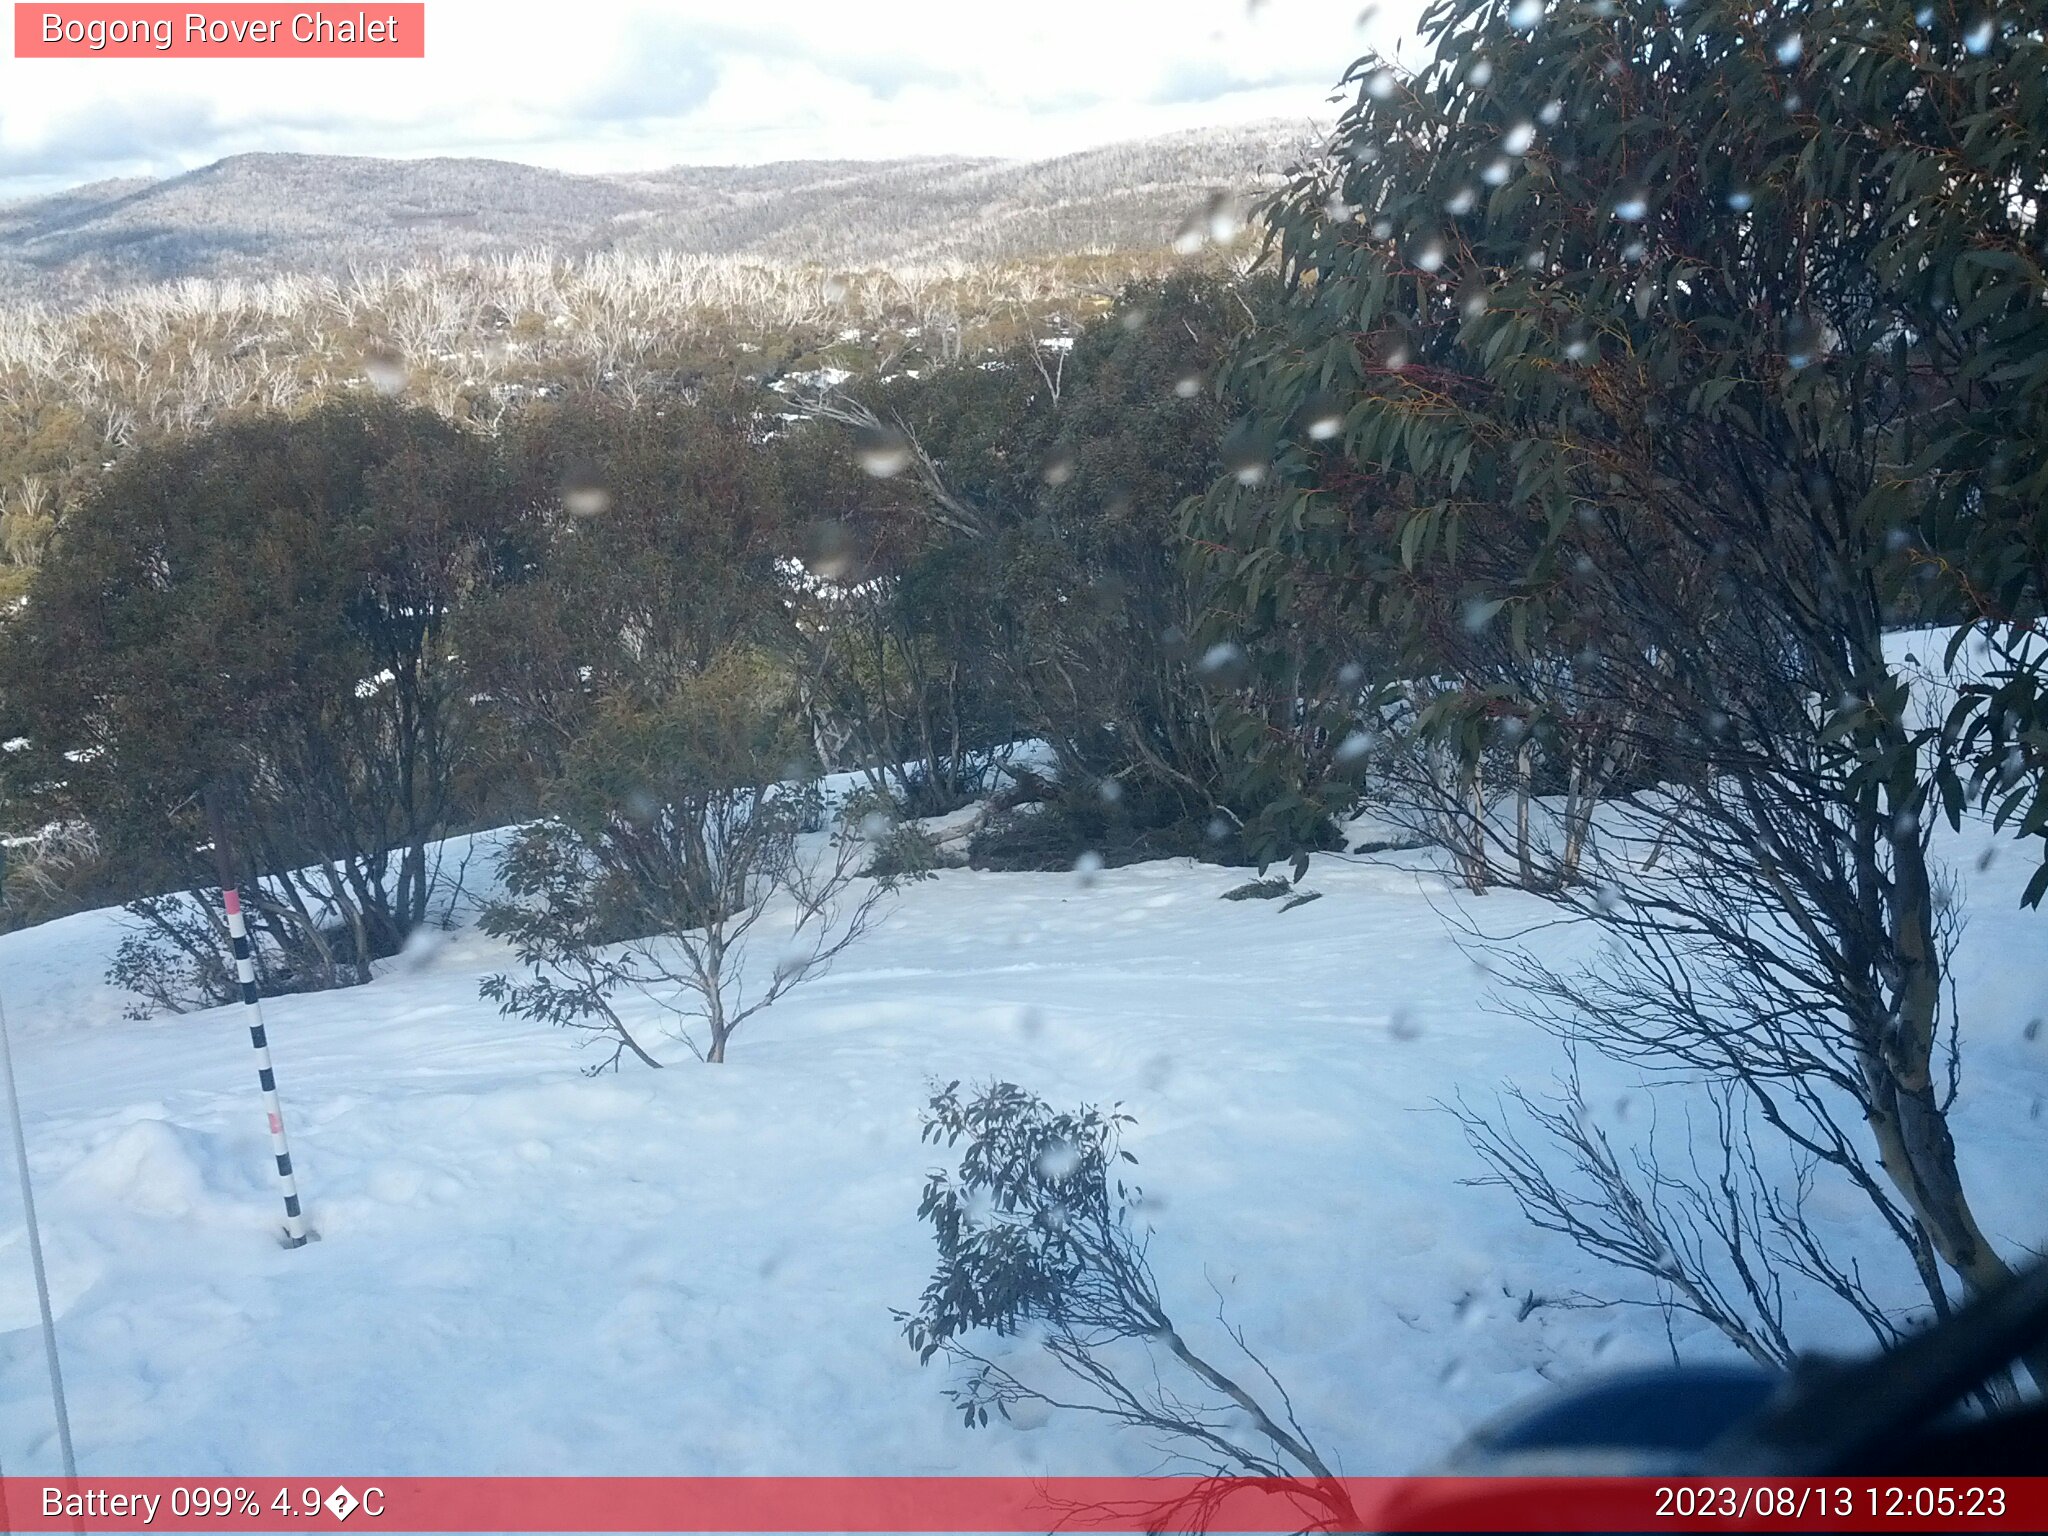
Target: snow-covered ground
526, 1270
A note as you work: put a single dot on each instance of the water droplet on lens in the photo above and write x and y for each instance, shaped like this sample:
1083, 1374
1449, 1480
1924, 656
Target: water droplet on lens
1356, 745
1221, 657
1247, 454
1214, 220
1805, 341
829, 551
583, 493
1479, 613
386, 371
1323, 417
1059, 1160
883, 452
2010, 768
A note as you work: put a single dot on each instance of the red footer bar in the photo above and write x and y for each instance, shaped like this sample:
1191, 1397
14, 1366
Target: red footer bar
1009, 1504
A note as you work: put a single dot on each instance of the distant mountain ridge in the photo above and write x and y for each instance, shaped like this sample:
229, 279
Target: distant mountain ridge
260, 214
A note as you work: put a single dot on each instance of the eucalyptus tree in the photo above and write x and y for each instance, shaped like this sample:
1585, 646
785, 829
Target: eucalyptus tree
1641, 360
235, 663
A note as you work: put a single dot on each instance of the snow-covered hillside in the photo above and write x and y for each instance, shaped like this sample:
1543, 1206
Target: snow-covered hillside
526, 1270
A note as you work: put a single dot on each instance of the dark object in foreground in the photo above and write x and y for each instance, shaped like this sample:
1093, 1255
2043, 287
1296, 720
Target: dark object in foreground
1900, 1413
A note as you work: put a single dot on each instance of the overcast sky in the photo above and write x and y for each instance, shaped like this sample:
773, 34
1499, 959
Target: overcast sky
620, 85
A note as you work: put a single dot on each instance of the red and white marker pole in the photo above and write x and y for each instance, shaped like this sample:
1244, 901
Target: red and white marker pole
245, 972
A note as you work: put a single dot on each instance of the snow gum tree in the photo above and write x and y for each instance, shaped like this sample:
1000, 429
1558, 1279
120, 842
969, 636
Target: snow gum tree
897, 630
1053, 477
1641, 361
681, 862
657, 537
253, 622
638, 685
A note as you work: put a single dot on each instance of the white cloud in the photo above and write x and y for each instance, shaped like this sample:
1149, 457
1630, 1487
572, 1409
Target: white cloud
611, 85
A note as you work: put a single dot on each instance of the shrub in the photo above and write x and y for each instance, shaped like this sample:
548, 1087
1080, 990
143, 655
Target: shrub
677, 832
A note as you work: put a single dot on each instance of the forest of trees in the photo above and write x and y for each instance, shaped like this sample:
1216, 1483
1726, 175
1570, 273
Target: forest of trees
1613, 386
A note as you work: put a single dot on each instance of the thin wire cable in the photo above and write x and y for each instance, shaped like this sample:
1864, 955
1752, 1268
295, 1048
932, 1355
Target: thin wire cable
35, 1255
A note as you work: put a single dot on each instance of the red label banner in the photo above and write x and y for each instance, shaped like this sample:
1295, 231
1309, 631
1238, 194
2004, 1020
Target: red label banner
1014, 1504
229, 31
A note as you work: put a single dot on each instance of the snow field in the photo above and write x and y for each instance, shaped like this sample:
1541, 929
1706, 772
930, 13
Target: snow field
526, 1270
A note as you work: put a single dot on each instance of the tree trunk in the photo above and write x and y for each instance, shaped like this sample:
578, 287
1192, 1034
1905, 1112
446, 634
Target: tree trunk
1578, 817
711, 974
1476, 872
1525, 772
1915, 1147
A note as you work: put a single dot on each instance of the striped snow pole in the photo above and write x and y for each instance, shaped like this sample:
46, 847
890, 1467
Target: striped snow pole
245, 972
